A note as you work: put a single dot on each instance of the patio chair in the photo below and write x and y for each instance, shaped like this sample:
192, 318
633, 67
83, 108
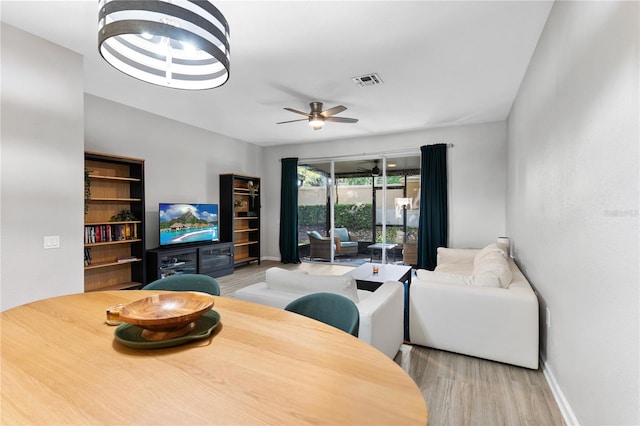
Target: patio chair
344, 242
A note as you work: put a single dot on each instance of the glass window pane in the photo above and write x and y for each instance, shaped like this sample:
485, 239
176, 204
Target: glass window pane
313, 205
353, 207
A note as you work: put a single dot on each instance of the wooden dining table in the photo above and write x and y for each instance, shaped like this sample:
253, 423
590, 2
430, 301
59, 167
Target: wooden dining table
61, 364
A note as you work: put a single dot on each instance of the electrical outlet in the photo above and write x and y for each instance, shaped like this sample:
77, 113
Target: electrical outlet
548, 319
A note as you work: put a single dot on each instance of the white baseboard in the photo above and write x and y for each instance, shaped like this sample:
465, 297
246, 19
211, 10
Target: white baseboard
565, 409
277, 259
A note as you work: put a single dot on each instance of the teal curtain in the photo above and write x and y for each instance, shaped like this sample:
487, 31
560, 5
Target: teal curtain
433, 226
289, 211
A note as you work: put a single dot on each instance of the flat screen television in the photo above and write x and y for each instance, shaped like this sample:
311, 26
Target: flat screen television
182, 223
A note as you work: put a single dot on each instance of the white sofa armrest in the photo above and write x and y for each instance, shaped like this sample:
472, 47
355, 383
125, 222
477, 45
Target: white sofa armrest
491, 323
382, 318
381, 312
451, 255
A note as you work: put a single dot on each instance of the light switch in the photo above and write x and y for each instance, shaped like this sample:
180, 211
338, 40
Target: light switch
52, 241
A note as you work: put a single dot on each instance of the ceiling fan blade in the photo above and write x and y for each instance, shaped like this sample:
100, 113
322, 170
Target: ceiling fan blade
293, 121
298, 112
341, 120
333, 111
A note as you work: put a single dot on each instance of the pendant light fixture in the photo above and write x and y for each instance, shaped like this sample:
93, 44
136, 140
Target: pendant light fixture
183, 44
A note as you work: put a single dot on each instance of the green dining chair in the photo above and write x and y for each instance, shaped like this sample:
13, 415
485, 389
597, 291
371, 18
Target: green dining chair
186, 282
329, 308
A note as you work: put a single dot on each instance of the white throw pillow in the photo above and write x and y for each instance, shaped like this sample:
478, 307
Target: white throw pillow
493, 266
302, 283
488, 251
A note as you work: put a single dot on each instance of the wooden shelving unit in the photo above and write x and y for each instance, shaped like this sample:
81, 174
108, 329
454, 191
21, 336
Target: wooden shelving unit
240, 216
114, 250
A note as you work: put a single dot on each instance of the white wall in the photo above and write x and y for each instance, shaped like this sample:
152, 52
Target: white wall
47, 124
476, 177
572, 203
182, 163
41, 169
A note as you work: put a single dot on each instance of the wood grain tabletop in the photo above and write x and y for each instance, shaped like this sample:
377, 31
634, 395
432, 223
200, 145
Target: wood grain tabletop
62, 365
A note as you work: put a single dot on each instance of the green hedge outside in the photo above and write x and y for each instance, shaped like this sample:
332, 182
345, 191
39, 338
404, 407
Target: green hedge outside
350, 216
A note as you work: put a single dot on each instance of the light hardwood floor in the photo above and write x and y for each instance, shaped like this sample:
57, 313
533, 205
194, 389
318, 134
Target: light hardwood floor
458, 389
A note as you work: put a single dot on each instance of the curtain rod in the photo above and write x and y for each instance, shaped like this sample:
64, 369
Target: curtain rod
367, 155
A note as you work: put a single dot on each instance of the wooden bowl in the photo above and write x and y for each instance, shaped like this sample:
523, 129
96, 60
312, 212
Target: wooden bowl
165, 316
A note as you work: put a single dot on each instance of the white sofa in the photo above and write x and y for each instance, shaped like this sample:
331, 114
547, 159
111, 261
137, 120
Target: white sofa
475, 304
381, 311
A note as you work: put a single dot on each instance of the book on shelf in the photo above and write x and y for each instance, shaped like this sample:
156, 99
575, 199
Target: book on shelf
87, 257
108, 233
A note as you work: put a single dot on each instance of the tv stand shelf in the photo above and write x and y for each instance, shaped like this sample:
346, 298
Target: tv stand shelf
213, 259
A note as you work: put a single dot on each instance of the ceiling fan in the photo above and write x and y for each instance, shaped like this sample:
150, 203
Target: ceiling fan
375, 171
317, 117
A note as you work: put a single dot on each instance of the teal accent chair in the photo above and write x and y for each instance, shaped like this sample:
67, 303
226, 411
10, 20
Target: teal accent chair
329, 308
186, 282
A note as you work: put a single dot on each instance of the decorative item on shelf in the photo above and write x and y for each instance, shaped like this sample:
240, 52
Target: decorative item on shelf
123, 216
505, 244
239, 203
253, 191
87, 190
183, 45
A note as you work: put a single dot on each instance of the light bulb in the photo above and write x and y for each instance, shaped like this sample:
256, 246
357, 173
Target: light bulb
316, 121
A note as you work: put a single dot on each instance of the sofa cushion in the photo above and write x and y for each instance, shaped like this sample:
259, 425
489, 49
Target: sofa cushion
348, 243
456, 268
342, 234
302, 283
486, 274
442, 277
315, 234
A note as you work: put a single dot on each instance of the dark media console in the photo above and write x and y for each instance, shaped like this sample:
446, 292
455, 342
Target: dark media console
213, 259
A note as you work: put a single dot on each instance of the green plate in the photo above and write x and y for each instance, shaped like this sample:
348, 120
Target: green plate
131, 335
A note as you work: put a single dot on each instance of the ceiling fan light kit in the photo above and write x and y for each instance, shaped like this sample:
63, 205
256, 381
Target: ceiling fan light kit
316, 121
180, 43
317, 116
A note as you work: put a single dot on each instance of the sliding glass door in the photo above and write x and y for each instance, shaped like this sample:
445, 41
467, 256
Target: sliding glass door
352, 211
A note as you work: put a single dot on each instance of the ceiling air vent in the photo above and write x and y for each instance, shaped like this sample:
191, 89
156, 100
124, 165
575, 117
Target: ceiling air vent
367, 80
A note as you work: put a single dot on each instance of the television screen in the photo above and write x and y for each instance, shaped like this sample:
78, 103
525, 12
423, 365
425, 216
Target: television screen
188, 223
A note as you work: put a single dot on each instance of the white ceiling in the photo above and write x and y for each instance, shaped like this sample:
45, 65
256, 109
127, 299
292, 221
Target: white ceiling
442, 63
